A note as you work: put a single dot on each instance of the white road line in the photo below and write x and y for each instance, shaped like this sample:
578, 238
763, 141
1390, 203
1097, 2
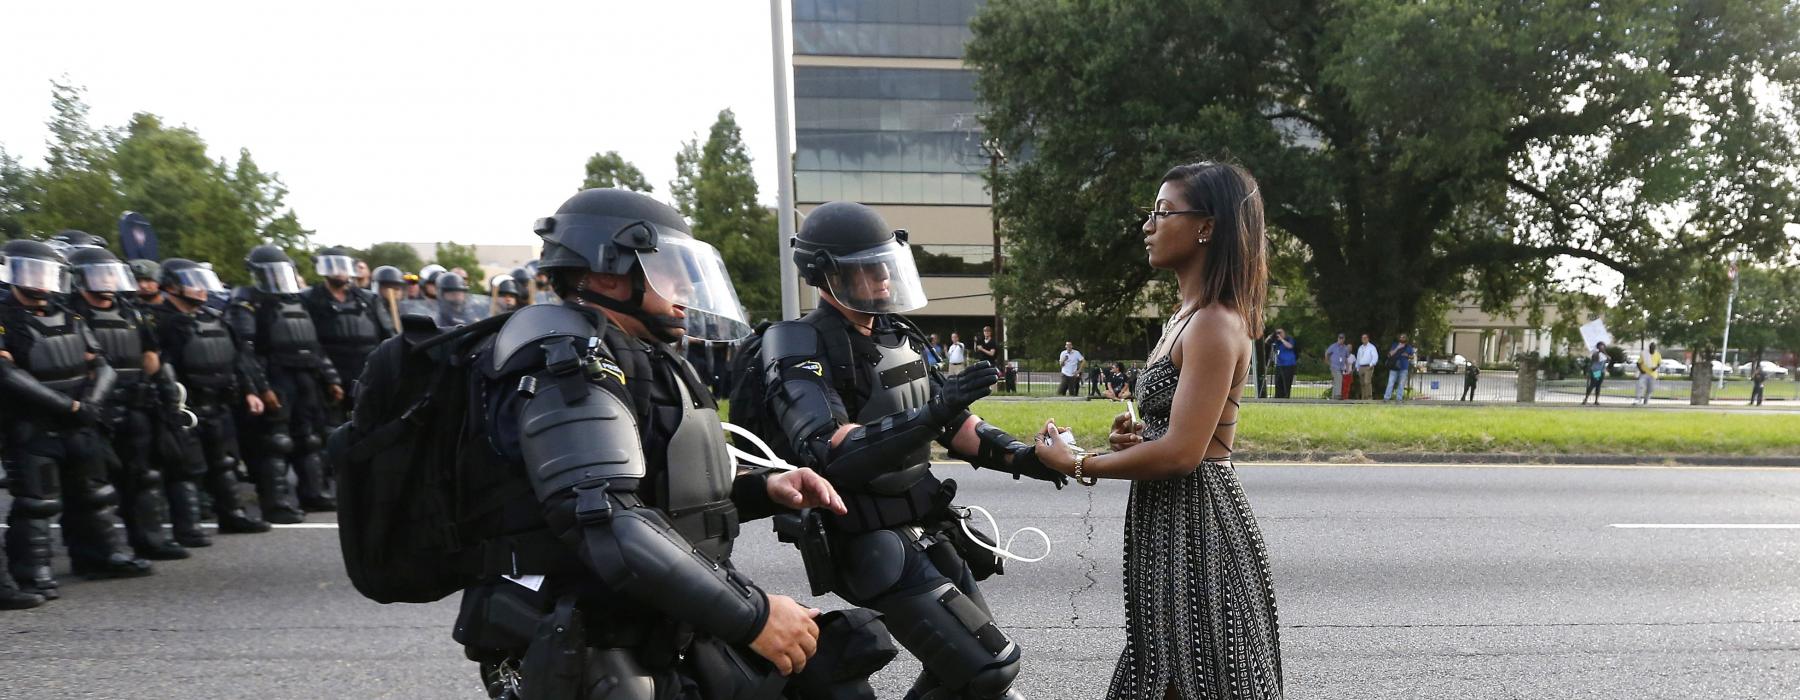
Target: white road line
1706, 526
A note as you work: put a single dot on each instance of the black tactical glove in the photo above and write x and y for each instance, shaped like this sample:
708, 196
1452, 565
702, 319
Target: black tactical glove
974, 384
89, 415
1025, 462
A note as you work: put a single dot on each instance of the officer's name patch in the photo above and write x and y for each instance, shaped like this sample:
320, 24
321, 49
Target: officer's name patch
812, 366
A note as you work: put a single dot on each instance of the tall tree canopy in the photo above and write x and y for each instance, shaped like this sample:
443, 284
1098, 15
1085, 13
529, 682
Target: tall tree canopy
202, 208
610, 169
1406, 151
453, 255
716, 189
399, 255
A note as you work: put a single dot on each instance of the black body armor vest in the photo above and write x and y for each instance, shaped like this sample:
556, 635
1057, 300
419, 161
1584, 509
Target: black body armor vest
344, 325
285, 333
121, 340
58, 351
208, 356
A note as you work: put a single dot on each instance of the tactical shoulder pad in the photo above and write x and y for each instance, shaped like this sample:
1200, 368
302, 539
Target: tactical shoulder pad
791, 339
527, 328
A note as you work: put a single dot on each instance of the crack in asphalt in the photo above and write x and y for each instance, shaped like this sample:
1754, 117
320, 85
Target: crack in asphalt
1087, 545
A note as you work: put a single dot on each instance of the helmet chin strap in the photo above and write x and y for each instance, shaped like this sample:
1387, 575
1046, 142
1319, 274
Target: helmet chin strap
658, 325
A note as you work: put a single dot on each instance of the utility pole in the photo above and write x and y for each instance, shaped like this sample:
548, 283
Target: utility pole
995, 158
784, 161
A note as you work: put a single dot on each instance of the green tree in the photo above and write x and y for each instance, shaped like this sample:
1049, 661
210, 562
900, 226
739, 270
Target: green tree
1408, 152
610, 169
452, 255
399, 255
77, 188
198, 210
17, 198
718, 193
1767, 313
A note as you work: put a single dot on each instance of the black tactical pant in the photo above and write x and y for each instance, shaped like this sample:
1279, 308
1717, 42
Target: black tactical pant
143, 503
213, 444
290, 436
58, 469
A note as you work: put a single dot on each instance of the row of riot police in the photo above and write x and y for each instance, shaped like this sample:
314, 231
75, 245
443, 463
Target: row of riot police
145, 393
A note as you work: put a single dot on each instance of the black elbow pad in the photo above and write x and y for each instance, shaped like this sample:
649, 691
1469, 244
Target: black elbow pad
637, 552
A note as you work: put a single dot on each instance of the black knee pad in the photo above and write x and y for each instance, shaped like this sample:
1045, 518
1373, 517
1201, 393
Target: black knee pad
100, 496
279, 442
956, 641
31, 507
149, 478
312, 442
226, 462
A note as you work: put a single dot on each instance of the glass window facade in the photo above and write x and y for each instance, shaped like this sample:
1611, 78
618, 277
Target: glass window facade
891, 28
887, 136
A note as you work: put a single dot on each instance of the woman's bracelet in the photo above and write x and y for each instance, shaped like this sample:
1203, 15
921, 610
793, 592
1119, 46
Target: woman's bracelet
1080, 461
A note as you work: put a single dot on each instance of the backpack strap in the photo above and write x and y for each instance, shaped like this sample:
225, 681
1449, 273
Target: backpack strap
834, 335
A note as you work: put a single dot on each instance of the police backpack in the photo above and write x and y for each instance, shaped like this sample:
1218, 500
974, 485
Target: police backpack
398, 460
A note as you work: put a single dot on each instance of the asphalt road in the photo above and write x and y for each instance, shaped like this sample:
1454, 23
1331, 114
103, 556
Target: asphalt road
1393, 582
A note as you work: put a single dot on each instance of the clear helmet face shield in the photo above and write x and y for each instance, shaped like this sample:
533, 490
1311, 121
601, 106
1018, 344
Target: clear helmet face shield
197, 283
42, 275
335, 266
100, 278
879, 280
692, 275
276, 277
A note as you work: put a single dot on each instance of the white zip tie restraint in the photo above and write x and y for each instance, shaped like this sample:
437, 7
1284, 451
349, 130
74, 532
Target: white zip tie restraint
1005, 551
967, 512
770, 460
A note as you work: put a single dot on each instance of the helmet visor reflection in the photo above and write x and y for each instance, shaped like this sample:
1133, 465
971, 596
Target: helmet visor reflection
880, 280
277, 278
42, 275
108, 277
691, 274
199, 278
335, 266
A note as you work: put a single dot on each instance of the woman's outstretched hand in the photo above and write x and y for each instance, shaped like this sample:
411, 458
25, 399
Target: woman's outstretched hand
1125, 432
1052, 452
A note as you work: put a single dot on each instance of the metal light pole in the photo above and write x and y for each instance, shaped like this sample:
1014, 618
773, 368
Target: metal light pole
784, 160
1725, 350
995, 158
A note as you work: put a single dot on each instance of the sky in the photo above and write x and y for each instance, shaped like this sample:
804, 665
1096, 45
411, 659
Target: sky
407, 121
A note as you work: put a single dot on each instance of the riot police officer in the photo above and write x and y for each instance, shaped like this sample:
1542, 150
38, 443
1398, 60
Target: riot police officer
302, 379
454, 305
129, 344
390, 290
346, 316
506, 294
147, 272
630, 502
865, 415
426, 304
55, 381
220, 373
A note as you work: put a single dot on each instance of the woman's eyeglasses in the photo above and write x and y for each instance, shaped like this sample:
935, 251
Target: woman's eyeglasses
1159, 214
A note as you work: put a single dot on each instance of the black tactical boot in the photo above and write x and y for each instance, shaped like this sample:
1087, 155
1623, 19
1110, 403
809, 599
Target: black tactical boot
118, 565
184, 515
238, 523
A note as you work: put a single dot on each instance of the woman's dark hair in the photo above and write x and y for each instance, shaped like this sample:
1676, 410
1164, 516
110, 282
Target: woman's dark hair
1237, 266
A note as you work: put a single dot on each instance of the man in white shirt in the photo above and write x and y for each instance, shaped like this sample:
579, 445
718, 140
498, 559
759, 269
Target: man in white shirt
1071, 361
1366, 357
956, 354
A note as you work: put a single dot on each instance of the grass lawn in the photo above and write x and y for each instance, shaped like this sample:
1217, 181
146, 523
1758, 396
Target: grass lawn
1266, 427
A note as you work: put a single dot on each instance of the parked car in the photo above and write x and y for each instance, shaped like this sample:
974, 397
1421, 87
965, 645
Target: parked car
1720, 369
1671, 366
1446, 365
1772, 370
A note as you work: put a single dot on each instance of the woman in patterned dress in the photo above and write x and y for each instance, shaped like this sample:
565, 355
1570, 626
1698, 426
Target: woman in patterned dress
1199, 603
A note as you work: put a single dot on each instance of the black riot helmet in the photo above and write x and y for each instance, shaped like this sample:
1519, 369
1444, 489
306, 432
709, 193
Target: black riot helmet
506, 286
145, 269
272, 270
522, 276
98, 271
189, 280
35, 269
848, 249
387, 274
620, 232
73, 238
451, 282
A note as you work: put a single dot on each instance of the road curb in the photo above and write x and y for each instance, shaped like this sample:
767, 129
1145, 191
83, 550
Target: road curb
1356, 457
